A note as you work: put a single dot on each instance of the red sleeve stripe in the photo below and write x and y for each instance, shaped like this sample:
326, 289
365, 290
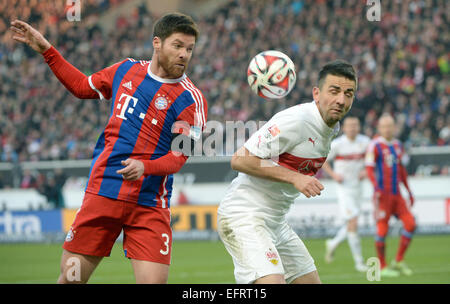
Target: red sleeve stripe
198, 99
91, 84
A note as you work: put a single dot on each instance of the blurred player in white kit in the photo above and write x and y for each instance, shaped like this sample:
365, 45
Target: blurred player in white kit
347, 153
276, 163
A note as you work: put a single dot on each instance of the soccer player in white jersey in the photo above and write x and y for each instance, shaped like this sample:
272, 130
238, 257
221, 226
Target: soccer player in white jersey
347, 153
275, 164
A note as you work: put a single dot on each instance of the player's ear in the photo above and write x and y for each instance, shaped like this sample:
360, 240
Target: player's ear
316, 93
157, 43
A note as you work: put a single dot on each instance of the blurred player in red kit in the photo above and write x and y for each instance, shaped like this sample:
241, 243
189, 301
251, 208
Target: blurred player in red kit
131, 176
385, 165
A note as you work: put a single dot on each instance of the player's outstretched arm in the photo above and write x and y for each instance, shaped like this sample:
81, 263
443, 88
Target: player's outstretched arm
73, 79
248, 163
25, 33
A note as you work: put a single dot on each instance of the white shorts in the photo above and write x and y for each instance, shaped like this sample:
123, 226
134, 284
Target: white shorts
349, 201
258, 250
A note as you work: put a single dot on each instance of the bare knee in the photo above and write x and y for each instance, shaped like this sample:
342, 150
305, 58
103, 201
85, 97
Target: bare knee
146, 272
352, 224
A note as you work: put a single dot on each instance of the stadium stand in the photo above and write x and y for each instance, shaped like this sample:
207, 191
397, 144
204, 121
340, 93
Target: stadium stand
403, 64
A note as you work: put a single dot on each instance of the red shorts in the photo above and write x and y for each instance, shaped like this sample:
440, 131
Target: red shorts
387, 204
146, 230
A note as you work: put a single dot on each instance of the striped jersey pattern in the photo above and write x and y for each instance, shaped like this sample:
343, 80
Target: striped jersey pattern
144, 109
386, 157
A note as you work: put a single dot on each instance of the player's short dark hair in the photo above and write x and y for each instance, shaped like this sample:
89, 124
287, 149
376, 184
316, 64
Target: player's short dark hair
175, 23
337, 68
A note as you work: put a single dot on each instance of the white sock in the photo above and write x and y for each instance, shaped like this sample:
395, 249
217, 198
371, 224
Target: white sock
355, 247
339, 237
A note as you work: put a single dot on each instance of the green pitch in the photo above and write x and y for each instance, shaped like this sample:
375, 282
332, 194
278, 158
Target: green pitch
208, 262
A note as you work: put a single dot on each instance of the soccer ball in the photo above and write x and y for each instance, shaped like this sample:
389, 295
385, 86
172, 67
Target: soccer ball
271, 74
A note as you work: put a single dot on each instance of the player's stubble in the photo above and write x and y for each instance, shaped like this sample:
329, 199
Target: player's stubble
335, 98
171, 62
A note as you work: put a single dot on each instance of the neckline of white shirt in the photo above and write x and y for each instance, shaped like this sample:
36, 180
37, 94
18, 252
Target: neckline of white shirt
164, 80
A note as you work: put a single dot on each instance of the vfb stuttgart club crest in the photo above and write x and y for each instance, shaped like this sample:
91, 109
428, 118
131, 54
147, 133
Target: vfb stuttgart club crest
272, 256
161, 103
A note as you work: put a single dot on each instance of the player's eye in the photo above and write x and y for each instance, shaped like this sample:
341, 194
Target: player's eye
349, 94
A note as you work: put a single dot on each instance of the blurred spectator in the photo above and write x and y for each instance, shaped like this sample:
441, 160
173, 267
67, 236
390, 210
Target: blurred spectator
28, 180
51, 186
403, 63
444, 133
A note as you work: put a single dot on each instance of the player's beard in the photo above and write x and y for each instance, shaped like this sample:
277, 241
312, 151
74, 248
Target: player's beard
170, 67
333, 117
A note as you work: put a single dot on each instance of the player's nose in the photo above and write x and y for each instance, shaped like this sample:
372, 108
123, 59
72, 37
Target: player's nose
183, 53
340, 99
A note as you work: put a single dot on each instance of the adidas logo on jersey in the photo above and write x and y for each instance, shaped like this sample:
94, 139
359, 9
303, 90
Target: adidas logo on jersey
127, 85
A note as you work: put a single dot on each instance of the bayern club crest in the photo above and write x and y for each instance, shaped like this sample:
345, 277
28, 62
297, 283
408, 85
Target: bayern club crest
70, 235
161, 103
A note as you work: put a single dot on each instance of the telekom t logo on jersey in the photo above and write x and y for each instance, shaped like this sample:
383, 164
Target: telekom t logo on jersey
125, 106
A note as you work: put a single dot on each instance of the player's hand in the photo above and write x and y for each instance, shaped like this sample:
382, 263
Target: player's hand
308, 185
23, 32
362, 175
338, 178
411, 199
133, 169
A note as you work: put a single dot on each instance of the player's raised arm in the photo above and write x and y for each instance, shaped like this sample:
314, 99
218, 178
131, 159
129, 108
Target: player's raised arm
74, 80
245, 162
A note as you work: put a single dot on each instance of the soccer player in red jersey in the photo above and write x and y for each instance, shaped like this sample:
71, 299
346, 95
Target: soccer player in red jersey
385, 165
131, 176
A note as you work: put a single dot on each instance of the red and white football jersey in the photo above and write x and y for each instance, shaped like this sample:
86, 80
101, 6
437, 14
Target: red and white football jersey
348, 156
296, 138
387, 157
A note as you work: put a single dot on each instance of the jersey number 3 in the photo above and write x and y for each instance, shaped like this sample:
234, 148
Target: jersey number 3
166, 243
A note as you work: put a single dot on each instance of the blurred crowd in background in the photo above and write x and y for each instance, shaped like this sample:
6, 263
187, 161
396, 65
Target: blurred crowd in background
402, 61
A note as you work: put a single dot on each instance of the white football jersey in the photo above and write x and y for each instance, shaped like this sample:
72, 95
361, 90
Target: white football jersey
296, 138
349, 157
